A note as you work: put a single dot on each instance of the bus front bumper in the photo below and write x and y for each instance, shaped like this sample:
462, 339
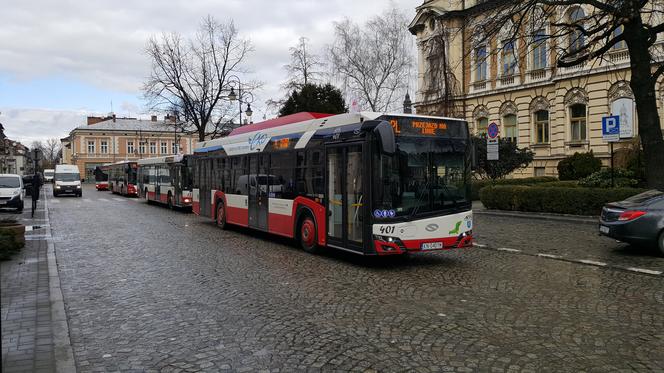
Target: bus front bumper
392, 246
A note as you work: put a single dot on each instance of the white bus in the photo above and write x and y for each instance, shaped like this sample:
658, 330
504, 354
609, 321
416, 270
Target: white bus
165, 180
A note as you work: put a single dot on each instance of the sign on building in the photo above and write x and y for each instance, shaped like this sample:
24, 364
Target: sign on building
611, 128
624, 108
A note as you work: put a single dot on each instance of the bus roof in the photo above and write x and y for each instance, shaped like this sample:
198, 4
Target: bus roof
276, 122
164, 159
257, 135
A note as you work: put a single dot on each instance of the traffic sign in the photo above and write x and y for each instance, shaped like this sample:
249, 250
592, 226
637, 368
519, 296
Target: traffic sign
492, 130
611, 128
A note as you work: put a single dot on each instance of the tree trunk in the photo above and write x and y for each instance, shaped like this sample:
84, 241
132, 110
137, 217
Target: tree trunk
643, 87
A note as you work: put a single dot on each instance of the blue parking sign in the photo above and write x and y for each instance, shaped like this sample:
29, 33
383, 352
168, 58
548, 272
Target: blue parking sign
611, 128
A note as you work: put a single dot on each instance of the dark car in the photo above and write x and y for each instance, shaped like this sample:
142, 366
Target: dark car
637, 220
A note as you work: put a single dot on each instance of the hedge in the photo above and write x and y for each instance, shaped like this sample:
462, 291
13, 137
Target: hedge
559, 200
477, 185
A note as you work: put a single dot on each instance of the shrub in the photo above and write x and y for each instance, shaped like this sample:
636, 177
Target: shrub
8, 244
578, 165
602, 179
560, 200
477, 185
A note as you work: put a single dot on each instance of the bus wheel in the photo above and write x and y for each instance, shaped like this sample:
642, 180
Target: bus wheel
308, 235
169, 201
221, 215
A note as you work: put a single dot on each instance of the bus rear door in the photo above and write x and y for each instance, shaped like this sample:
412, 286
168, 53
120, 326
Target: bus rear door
259, 186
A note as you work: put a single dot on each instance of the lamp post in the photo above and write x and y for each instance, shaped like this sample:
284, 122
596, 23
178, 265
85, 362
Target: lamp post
241, 96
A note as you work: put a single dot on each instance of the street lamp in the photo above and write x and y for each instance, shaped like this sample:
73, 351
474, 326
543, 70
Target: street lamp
240, 96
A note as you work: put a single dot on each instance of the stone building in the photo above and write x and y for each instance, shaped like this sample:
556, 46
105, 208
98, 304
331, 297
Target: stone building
15, 158
110, 139
516, 84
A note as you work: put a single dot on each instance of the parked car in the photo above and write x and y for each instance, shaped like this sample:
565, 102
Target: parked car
11, 192
638, 219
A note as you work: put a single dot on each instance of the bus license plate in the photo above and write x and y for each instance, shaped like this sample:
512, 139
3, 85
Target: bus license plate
432, 245
604, 229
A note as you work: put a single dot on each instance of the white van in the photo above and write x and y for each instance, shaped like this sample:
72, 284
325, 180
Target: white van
11, 191
48, 175
66, 180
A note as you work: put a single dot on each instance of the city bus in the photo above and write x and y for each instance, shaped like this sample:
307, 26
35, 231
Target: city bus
165, 180
368, 183
122, 178
101, 177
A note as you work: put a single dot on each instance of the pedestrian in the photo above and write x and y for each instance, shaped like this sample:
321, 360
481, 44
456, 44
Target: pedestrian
36, 185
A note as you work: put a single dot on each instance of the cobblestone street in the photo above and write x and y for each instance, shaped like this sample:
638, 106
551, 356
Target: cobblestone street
149, 289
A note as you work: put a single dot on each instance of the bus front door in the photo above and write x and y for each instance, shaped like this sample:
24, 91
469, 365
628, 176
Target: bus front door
344, 196
259, 187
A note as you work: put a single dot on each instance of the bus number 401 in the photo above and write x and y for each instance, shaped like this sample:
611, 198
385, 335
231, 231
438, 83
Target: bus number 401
387, 229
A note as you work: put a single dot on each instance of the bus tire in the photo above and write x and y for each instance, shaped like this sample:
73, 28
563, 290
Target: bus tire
221, 215
169, 201
307, 234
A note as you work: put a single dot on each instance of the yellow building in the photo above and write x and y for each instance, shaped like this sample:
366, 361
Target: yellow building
111, 139
553, 111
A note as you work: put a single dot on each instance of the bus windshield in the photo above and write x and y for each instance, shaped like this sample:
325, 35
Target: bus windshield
424, 176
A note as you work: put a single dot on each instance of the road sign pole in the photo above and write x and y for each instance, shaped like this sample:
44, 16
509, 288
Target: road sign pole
611, 149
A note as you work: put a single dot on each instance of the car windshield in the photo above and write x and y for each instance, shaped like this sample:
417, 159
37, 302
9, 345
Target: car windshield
645, 196
49, 173
69, 176
426, 175
263, 180
9, 182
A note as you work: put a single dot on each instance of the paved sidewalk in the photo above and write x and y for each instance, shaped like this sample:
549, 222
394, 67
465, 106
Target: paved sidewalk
32, 318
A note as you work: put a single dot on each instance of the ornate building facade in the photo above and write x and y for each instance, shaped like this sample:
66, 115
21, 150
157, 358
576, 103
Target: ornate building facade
515, 83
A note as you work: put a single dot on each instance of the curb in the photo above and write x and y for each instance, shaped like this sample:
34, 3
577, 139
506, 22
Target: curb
535, 215
62, 350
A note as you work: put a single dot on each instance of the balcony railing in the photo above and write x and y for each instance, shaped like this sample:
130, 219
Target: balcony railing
508, 80
479, 86
538, 75
619, 56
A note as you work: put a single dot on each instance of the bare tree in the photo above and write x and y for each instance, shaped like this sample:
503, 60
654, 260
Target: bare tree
584, 32
303, 67
191, 77
51, 151
373, 61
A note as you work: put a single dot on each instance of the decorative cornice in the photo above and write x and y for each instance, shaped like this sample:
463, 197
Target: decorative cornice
480, 111
576, 95
620, 89
539, 103
507, 108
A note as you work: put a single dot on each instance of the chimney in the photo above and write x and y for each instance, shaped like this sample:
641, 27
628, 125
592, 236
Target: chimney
113, 117
169, 118
95, 120
153, 118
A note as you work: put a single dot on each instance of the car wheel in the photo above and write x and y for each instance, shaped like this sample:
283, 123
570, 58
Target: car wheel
307, 235
660, 242
221, 215
20, 207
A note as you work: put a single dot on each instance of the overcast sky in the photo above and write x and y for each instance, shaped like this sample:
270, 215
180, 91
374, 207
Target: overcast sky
63, 60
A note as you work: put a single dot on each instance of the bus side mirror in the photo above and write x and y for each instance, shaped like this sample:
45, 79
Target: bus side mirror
384, 133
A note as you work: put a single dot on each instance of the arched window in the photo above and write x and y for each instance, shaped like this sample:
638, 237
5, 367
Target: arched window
481, 63
481, 125
508, 58
509, 127
577, 115
539, 50
576, 37
621, 44
541, 118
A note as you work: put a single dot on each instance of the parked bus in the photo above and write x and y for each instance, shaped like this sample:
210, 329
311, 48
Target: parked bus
369, 183
101, 177
122, 178
165, 180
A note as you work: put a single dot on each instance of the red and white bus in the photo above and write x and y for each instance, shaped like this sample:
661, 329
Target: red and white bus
101, 177
122, 178
165, 180
369, 183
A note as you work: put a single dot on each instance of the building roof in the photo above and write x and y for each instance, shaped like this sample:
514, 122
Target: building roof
129, 125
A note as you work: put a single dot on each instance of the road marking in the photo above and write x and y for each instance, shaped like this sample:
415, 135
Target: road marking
592, 262
508, 250
478, 244
549, 256
55, 201
87, 200
103, 199
119, 199
643, 270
